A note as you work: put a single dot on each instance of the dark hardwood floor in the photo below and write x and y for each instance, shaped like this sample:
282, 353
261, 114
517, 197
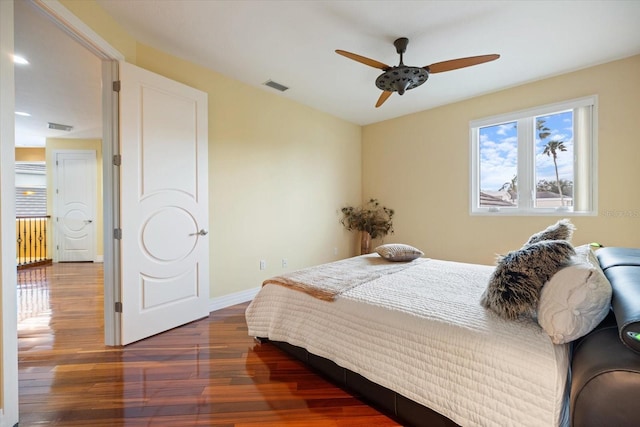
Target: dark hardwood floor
206, 373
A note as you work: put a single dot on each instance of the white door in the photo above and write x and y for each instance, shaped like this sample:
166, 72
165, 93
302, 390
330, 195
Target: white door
164, 203
75, 205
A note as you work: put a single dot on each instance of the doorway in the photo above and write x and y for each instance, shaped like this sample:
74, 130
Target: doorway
183, 112
109, 58
58, 93
52, 21
164, 130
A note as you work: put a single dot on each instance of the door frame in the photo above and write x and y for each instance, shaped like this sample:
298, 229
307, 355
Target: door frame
9, 407
110, 58
8, 292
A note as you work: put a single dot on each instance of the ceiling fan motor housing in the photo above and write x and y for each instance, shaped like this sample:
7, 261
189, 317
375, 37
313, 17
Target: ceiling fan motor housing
402, 78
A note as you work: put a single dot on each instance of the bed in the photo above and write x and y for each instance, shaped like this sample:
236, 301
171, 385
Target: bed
414, 339
420, 332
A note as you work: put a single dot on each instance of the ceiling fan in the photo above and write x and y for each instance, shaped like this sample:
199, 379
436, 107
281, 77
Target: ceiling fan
401, 78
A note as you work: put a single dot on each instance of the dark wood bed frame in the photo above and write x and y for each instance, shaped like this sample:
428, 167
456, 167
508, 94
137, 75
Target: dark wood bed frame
406, 411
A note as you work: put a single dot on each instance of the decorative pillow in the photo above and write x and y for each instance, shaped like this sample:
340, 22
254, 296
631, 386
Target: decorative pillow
561, 230
575, 299
514, 287
398, 252
584, 254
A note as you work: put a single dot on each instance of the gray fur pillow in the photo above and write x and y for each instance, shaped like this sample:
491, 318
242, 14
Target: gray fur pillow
561, 230
514, 287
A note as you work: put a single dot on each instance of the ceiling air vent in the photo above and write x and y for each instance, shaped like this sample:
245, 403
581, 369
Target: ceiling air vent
276, 86
58, 126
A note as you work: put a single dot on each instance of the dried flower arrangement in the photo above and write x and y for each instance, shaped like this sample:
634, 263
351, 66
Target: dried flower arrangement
375, 219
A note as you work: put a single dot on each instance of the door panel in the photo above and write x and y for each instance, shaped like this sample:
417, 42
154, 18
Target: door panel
164, 203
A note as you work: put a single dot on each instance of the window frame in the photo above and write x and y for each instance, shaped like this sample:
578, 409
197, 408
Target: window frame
526, 160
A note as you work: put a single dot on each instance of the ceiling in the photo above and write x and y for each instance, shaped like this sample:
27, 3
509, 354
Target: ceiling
294, 42
61, 84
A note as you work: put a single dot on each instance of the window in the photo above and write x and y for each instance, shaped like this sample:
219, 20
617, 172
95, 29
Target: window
31, 189
540, 161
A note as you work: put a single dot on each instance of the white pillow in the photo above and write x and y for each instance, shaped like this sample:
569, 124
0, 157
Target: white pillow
575, 300
584, 253
398, 252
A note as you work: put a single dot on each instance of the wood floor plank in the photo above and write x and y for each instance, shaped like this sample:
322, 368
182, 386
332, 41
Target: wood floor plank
206, 373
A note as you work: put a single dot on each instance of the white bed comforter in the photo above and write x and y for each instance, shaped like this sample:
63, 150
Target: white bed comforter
422, 332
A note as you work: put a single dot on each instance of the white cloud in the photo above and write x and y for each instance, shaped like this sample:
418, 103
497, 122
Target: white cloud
498, 162
504, 128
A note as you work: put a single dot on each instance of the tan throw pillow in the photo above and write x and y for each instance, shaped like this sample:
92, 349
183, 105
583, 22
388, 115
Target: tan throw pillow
398, 252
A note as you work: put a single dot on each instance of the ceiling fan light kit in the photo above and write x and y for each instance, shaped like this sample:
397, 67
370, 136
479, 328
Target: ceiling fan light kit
402, 78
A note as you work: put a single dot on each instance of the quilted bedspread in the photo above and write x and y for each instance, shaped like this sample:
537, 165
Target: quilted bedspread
422, 332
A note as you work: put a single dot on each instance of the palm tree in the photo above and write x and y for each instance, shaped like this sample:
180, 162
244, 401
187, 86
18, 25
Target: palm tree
543, 131
511, 187
551, 149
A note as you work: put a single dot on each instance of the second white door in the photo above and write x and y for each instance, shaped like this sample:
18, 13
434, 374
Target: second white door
75, 205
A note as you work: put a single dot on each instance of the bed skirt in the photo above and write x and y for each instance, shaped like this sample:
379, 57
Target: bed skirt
396, 406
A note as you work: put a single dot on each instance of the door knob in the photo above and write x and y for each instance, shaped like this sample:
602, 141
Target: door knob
88, 221
203, 232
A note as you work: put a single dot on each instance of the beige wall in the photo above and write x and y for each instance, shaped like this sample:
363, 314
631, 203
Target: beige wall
53, 144
30, 154
278, 172
419, 165
103, 24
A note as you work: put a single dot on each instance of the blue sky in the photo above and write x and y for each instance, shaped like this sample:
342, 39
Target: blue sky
499, 157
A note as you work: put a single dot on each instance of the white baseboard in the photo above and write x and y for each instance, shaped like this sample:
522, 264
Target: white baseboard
99, 258
232, 299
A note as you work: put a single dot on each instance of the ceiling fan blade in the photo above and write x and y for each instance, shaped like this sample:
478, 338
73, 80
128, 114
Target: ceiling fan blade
454, 64
383, 97
366, 61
